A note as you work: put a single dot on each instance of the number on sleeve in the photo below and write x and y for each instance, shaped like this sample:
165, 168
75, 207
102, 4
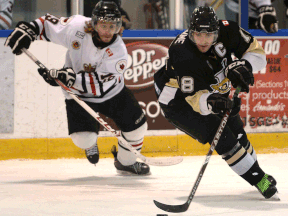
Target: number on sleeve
51, 19
10, 7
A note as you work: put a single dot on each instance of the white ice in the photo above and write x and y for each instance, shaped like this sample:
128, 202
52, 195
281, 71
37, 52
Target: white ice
75, 187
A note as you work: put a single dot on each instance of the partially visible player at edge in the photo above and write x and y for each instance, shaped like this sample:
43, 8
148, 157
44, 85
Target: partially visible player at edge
94, 66
6, 11
193, 89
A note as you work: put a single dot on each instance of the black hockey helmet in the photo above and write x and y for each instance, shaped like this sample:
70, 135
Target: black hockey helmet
107, 11
204, 19
118, 2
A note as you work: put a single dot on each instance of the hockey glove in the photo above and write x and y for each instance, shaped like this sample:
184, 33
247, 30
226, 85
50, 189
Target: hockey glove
21, 37
66, 75
44, 73
240, 74
219, 104
267, 19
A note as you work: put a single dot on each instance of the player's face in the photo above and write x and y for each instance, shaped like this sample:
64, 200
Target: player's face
106, 30
204, 40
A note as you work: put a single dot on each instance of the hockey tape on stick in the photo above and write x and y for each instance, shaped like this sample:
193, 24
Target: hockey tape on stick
184, 207
151, 161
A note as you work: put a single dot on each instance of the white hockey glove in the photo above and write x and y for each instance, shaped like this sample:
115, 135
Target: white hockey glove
21, 37
267, 19
66, 75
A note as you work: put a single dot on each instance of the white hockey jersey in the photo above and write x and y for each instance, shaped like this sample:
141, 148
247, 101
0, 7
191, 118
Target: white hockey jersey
252, 8
99, 71
6, 7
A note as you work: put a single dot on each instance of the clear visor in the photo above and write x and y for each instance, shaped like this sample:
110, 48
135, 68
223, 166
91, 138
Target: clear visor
203, 34
109, 20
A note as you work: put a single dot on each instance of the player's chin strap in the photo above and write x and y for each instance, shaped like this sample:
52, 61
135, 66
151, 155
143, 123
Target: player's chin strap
184, 207
151, 161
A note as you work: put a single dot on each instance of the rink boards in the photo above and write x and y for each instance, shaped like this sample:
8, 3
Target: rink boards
154, 146
33, 116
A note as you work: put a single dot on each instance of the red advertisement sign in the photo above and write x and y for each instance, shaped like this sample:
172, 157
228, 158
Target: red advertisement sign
265, 108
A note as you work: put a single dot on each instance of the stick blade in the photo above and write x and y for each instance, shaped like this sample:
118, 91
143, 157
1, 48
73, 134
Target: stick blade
172, 208
163, 161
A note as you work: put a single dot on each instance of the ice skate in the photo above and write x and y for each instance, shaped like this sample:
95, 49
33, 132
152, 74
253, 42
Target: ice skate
137, 168
267, 186
92, 154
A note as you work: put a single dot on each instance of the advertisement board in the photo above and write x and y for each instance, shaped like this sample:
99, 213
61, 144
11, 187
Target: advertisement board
265, 108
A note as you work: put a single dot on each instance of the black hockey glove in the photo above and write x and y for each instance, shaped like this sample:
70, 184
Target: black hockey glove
240, 74
66, 75
46, 77
219, 104
267, 19
21, 37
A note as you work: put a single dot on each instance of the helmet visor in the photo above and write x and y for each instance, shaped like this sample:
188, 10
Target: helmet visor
210, 36
117, 22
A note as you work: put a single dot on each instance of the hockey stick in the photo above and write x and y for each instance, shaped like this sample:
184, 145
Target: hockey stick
152, 161
185, 206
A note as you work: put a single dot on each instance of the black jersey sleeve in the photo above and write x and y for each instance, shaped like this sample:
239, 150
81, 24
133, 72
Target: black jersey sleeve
238, 39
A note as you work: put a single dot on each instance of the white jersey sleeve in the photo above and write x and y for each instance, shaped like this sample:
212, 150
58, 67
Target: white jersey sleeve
58, 30
6, 7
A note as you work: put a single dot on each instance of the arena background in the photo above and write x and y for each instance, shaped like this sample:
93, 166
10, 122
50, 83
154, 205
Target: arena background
33, 121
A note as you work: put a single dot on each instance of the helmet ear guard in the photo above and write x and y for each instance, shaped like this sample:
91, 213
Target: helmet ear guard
107, 12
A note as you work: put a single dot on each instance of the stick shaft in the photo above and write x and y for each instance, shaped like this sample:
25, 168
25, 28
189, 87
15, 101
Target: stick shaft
184, 207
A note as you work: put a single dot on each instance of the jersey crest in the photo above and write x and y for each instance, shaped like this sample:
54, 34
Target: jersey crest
89, 68
223, 84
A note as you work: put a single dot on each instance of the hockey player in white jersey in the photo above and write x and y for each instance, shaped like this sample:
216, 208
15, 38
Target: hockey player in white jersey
93, 70
6, 7
262, 15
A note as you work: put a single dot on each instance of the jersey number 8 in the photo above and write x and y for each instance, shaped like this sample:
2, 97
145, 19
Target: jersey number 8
187, 84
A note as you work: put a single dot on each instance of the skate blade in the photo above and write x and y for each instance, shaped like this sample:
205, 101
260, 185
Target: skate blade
126, 173
275, 197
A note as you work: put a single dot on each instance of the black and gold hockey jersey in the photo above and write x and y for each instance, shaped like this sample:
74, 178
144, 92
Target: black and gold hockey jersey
189, 71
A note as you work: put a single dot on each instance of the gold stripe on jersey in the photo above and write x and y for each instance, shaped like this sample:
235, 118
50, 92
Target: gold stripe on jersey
250, 149
255, 47
172, 83
236, 156
194, 100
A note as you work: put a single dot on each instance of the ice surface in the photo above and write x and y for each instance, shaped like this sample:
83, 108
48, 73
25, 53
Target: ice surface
75, 187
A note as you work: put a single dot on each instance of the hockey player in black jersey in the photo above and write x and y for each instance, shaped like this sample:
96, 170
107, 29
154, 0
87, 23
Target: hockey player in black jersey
193, 89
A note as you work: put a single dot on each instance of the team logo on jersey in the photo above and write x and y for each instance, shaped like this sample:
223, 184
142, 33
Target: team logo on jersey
109, 52
225, 22
121, 65
223, 84
89, 68
76, 45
